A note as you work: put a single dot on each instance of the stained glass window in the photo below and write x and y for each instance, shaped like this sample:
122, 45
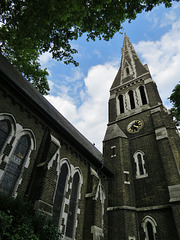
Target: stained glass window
60, 193
70, 227
14, 166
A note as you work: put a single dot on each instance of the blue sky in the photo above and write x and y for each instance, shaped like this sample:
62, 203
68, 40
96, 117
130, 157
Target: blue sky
81, 93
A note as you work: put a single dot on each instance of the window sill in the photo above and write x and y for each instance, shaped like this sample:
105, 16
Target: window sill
142, 176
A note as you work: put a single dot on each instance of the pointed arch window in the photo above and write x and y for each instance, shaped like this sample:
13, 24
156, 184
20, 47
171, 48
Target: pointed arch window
150, 231
143, 95
15, 164
140, 164
121, 103
5, 129
150, 228
60, 194
73, 204
131, 99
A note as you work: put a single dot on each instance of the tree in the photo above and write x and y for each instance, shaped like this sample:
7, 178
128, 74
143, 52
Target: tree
30, 28
175, 100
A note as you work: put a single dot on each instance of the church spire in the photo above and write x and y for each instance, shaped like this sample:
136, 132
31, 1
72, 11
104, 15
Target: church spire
131, 66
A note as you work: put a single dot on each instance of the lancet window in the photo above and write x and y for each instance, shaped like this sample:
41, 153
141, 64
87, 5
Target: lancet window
15, 165
60, 194
143, 95
140, 164
121, 103
131, 99
73, 205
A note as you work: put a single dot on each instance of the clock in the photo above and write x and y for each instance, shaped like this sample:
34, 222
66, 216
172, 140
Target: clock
135, 126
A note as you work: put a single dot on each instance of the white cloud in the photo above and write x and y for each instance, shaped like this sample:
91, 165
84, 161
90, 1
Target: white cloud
77, 75
45, 58
64, 106
46, 61
51, 84
160, 18
163, 58
170, 17
91, 117
70, 86
93, 112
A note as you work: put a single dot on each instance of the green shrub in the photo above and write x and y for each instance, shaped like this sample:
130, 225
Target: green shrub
18, 221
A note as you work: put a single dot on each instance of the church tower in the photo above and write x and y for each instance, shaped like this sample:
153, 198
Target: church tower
142, 147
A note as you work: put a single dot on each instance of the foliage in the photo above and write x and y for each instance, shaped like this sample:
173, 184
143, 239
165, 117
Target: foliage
30, 28
19, 221
175, 100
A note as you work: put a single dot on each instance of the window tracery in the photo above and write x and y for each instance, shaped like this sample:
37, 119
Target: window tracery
140, 164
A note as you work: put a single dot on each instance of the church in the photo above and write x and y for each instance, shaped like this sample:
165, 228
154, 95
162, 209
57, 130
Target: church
131, 191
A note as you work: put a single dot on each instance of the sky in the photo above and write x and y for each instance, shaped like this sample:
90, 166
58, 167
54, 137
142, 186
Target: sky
81, 93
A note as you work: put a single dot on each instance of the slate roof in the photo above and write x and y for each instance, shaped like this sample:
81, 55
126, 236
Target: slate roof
27, 91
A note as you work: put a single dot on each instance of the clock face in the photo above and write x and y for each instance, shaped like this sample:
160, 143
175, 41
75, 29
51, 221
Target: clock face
135, 126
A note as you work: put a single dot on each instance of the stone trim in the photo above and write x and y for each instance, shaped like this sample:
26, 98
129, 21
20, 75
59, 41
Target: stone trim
141, 209
112, 96
94, 173
126, 173
149, 80
161, 133
113, 155
97, 232
174, 192
133, 81
43, 207
131, 238
157, 109
56, 141
128, 115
